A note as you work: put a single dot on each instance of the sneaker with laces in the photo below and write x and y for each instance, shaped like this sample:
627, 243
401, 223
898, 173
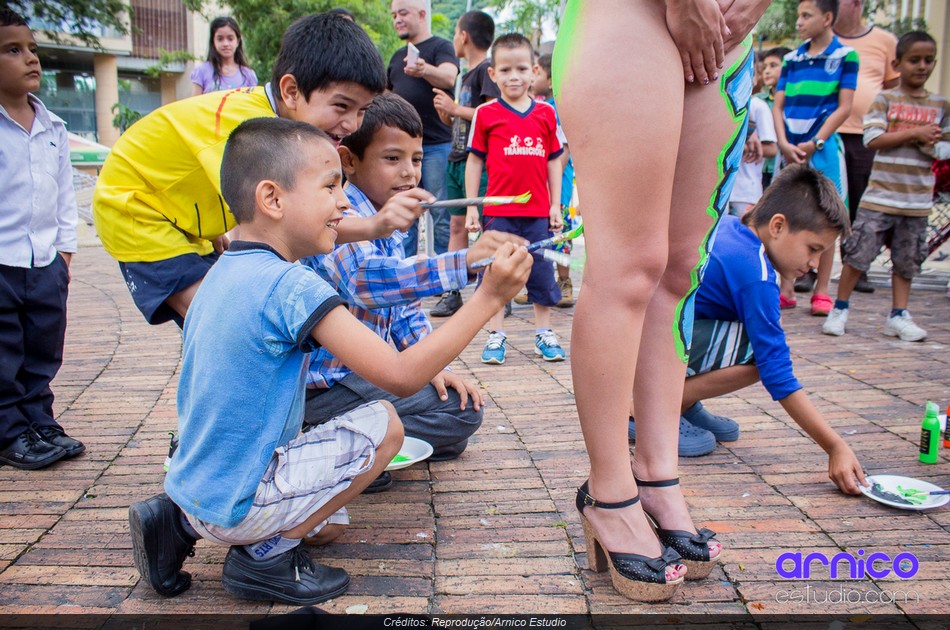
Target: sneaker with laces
547, 347
903, 326
451, 302
835, 322
567, 293
494, 352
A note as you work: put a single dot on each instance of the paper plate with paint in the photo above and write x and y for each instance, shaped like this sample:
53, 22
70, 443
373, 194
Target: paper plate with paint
905, 493
412, 452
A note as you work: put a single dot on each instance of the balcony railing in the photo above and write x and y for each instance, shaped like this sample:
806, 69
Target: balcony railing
158, 25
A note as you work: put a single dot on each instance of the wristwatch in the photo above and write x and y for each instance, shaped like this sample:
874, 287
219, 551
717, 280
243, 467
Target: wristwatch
819, 144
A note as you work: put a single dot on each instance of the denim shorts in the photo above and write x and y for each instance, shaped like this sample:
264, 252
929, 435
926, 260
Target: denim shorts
542, 287
151, 283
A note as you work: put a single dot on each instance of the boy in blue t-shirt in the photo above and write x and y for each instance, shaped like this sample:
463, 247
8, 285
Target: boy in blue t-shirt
737, 330
244, 474
812, 99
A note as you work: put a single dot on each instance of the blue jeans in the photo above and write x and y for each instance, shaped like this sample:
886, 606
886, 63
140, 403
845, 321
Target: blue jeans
435, 159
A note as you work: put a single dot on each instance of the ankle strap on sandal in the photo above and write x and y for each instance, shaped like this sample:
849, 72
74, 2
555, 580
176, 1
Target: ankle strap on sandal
585, 500
663, 483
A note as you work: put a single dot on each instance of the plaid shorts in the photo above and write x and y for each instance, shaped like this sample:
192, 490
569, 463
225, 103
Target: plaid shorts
906, 237
718, 345
305, 474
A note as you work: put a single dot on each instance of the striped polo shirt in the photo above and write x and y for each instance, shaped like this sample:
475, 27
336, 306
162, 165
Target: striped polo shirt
902, 181
811, 85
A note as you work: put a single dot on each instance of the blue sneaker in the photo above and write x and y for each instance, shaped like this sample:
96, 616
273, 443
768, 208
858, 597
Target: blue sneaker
494, 352
693, 441
725, 429
547, 347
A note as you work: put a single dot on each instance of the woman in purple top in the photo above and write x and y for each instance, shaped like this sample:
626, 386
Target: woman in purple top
226, 67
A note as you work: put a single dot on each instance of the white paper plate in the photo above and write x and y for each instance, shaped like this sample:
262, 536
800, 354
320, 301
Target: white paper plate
415, 449
889, 483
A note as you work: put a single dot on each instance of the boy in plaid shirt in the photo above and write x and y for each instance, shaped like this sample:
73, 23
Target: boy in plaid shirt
382, 162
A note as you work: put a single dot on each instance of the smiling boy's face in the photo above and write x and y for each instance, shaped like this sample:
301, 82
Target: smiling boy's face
19, 65
336, 109
314, 207
513, 71
391, 163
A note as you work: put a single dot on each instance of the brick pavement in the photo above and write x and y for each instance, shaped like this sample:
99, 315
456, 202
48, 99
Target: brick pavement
496, 530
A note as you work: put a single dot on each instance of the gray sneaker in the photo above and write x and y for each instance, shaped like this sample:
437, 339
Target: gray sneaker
451, 302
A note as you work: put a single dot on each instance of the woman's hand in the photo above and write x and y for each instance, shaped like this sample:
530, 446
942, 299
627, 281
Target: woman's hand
697, 28
740, 16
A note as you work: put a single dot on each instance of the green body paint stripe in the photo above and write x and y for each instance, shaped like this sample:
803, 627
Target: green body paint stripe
566, 35
678, 333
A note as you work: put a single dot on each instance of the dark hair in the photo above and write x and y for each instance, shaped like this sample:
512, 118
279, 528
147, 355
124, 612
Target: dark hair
386, 110
342, 12
213, 56
511, 41
480, 28
808, 199
325, 48
778, 51
545, 62
909, 39
263, 149
11, 18
826, 6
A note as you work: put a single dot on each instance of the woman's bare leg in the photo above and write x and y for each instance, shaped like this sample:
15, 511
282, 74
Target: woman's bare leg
711, 130
625, 148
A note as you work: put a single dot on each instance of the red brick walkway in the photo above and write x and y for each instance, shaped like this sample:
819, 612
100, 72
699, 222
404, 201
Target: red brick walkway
496, 530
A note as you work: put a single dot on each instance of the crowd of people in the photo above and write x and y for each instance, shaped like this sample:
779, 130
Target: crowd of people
331, 362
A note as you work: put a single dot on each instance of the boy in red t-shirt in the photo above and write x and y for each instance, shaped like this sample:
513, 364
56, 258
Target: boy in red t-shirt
515, 137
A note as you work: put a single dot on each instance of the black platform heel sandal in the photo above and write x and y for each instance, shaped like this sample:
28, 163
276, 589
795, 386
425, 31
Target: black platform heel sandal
693, 548
636, 577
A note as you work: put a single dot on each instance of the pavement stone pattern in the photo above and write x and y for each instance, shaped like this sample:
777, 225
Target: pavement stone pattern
496, 531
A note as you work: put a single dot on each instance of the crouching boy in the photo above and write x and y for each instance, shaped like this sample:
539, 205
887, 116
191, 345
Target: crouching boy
244, 475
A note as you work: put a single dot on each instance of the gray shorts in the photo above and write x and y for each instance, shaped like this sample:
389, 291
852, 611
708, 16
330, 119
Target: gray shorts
304, 475
906, 237
718, 345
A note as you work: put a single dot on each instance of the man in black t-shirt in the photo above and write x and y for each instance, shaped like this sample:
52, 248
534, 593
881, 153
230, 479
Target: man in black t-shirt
474, 34
436, 67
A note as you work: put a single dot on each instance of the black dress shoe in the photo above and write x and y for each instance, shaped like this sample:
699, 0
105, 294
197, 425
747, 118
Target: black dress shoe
380, 484
31, 452
863, 285
57, 436
160, 544
450, 303
806, 282
291, 577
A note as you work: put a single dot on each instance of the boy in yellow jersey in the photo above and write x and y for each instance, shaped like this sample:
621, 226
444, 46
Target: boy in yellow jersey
158, 207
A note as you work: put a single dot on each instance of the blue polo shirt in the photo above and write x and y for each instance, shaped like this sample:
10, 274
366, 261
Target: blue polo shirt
811, 86
241, 392
740, 285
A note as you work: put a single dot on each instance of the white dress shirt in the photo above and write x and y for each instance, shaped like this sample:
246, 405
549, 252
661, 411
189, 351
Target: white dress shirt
37, 203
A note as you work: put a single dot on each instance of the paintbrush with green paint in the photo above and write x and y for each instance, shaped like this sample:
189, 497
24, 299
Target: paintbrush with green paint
557, 239
478, 201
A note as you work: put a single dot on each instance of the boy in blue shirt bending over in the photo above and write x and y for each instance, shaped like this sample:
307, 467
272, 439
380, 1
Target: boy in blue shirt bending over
244, 474
382, 161
737, 330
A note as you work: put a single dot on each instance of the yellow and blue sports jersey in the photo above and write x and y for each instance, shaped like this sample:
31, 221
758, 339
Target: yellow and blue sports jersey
159, 192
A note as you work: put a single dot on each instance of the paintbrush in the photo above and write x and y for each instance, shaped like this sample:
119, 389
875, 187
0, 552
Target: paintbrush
478, 201
548, 242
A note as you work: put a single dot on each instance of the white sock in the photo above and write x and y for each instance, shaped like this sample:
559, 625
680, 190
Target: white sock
271, 547
538, 331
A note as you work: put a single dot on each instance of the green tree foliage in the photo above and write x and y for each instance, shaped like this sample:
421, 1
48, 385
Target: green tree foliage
778, 23
82, 19
527, 16
263, 23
